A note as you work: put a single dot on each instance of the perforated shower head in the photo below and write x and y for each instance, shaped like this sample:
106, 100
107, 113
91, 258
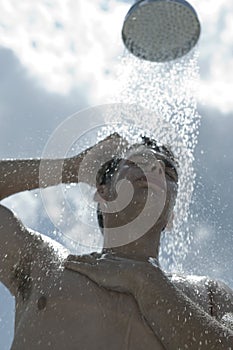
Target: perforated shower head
161, 30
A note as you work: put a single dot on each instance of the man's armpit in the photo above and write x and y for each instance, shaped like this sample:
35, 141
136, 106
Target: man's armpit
15, 243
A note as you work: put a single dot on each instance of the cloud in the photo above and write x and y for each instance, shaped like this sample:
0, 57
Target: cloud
64, 44
216, 55
28, 112
25, 206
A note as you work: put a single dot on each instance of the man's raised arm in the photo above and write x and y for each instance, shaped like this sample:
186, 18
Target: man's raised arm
22, 175
18, 245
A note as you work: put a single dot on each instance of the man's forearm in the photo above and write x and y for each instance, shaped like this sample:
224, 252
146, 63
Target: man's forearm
177, 321
21, 175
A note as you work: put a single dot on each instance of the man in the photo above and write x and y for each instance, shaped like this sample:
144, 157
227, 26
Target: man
183, 312
57, 309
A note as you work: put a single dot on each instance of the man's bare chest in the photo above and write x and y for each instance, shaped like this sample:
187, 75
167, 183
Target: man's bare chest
67, 308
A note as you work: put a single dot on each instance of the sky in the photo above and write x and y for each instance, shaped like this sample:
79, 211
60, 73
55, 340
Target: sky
59, 57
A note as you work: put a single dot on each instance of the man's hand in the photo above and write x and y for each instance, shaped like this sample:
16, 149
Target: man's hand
112, 272
84, 167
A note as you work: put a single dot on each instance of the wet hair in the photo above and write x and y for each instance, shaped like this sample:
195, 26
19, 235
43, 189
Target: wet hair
107, 171
104, 176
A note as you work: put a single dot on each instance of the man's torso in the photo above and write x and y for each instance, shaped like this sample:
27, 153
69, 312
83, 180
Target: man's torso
65, 310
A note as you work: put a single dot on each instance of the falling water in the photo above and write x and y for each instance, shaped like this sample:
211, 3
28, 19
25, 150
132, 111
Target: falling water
168, 90
159, 101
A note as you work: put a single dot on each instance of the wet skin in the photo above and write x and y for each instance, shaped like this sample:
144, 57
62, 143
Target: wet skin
58, 309
177, 312
150, 179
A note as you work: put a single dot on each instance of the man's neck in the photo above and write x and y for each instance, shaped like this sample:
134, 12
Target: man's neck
141, 249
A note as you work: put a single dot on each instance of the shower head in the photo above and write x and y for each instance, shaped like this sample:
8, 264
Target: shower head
160, 30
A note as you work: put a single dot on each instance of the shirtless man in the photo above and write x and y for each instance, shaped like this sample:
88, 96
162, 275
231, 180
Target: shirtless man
55, 307
59, 309
184, 312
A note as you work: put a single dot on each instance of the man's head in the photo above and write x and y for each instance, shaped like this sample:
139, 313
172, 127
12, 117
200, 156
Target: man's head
145, 165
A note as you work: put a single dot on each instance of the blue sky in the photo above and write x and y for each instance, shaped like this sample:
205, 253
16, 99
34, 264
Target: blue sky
57, 57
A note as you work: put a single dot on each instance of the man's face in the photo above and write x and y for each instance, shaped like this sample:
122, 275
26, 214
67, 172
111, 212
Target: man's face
139, 177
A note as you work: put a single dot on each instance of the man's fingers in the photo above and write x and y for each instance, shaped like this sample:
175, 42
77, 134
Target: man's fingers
71, 257
97, 273
111, 272
112, 141
89, 258
114, 135
78, 266
85, 269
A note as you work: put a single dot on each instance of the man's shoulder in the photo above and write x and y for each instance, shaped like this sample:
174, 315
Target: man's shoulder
183, 281
207, 292
48, 245
199, 280
194, 287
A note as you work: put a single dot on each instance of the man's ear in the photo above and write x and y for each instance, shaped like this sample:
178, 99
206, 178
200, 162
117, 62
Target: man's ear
102, 194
